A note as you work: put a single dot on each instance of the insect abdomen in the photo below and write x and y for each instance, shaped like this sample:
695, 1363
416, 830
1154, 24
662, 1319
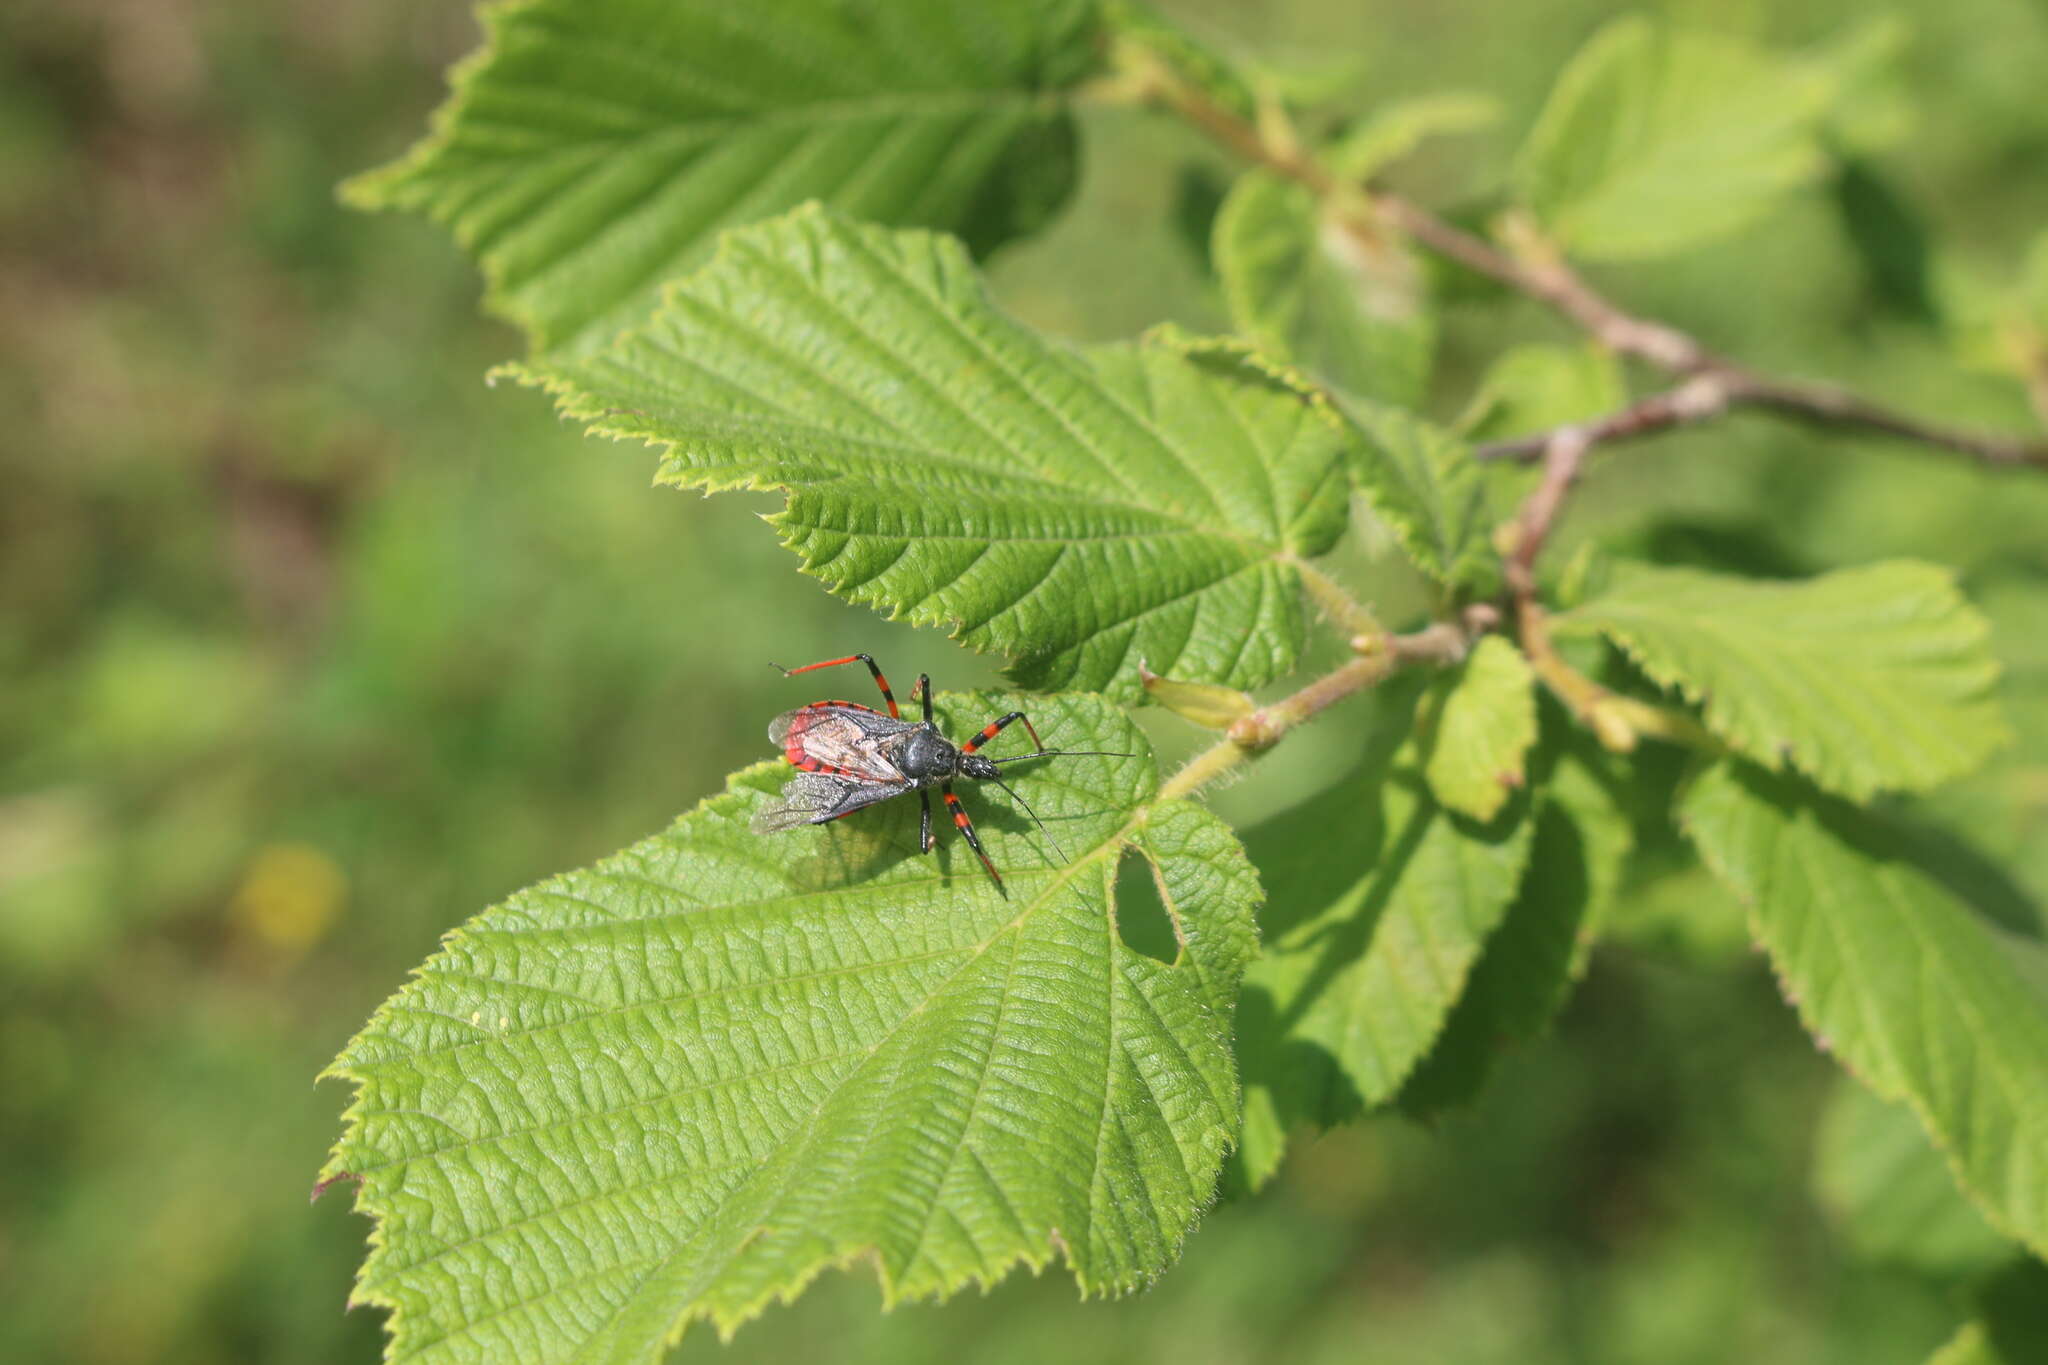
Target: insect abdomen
793, 738
820, 739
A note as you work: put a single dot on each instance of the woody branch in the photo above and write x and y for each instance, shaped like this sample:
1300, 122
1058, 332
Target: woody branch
1714, 384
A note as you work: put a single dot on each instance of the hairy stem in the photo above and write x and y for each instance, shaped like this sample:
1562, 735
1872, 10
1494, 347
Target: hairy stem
1351, 615
1618, 722
1252, 735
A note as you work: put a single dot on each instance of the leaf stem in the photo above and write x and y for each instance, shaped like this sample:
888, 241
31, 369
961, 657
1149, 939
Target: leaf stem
1351, 615
1379, 658
1618, 722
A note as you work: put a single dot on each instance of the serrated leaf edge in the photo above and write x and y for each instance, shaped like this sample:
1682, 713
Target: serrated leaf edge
1215, 1143
1902, 1095
1782, 753
1261, 557
387, 186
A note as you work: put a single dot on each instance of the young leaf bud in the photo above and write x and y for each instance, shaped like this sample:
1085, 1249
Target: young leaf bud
1209, 706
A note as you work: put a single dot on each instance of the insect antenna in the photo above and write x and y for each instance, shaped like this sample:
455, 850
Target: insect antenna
1034, 816
1061, 753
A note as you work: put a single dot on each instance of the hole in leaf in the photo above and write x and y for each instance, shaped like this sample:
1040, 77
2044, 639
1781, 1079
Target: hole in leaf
1141, 918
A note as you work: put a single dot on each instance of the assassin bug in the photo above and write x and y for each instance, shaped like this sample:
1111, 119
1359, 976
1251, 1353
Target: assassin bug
853, 756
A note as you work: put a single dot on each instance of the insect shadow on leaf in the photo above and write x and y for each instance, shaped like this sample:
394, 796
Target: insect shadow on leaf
851, 757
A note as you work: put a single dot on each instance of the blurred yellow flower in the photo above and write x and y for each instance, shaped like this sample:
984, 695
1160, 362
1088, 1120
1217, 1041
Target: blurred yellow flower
289, 896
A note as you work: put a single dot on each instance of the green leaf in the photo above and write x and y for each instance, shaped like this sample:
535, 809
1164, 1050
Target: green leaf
1369, 937
2011, 1322
1969, 1346
2013, 1306
1890, 238
1872, 108
1484, 727
1866, 679
1077, 510
1890, 1194
2005, 806
1396, 129
594, 148
1897, 973
680, 1083
1198, 192
1539, 387
1142, 37
1306, 290
1308, 77
1580, 845
1423, 483
1654, 141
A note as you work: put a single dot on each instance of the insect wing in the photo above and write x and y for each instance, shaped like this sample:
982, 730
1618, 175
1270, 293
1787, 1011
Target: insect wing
806, 799
814, 798
839, 738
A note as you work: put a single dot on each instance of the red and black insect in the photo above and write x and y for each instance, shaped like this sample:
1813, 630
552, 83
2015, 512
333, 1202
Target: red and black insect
853, 756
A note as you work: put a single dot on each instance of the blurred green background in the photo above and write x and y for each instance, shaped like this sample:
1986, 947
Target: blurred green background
311, 646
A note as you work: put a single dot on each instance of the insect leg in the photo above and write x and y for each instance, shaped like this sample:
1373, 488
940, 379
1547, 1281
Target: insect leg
880, 681
924, 822
966, 827
996, 727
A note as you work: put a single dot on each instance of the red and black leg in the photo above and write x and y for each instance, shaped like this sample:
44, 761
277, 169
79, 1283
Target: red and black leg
880, 681
996, 727
966, 828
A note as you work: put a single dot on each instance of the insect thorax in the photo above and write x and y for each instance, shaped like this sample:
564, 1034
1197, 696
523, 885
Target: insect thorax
924, 755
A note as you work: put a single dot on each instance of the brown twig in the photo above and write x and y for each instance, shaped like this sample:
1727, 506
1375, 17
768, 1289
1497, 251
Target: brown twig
1546, 277
1827, 405
1563, 452
1696, 400
1562, 457
1539, 271
1617, 721
1724, 387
